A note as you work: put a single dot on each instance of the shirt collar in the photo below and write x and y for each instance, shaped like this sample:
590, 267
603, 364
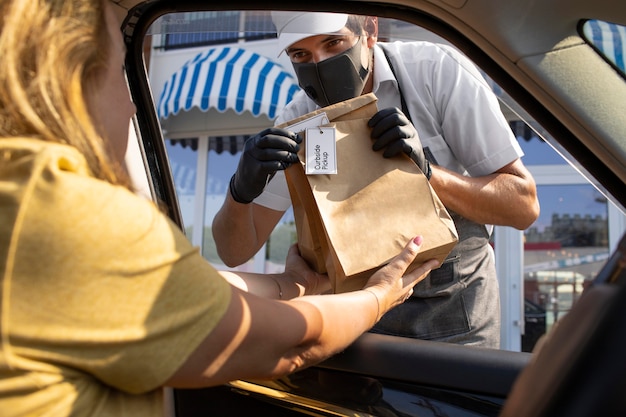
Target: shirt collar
382, 70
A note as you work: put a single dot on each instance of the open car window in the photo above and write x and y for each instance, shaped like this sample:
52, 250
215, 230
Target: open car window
217, 78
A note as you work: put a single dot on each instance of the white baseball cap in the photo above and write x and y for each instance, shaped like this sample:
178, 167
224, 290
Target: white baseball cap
295, 26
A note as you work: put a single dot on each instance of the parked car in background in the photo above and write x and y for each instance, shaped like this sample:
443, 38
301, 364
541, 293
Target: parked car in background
558, 67
534, 325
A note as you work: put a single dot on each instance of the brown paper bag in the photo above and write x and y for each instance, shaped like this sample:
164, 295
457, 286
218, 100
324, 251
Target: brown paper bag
311, 236
351, 223
310, 231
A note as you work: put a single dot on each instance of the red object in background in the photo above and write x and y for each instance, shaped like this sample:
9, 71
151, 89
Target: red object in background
542, 246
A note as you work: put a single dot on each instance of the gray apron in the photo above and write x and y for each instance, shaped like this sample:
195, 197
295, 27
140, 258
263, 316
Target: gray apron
459, 302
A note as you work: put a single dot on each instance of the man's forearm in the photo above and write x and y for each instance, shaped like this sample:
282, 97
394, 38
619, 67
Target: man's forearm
234, 232
501, 198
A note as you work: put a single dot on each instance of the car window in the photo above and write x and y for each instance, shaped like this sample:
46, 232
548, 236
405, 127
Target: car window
205, 119
609, 39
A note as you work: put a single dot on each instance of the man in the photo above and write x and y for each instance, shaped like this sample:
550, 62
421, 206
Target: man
464, 147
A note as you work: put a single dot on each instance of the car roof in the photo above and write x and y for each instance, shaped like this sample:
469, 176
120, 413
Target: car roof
538, 45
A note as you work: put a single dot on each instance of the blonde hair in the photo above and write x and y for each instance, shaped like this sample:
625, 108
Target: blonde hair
52, 53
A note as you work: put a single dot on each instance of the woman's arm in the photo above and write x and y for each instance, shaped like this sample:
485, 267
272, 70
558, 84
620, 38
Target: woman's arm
263, 339
297, 280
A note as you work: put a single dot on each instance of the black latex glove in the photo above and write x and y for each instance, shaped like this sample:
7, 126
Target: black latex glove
271, 150
392, 130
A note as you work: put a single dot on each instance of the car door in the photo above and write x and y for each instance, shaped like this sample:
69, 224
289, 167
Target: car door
380, 375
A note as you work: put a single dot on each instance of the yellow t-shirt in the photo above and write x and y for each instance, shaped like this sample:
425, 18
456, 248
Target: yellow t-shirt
102, 297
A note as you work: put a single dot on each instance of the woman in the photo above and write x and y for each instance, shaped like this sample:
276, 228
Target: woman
104, 301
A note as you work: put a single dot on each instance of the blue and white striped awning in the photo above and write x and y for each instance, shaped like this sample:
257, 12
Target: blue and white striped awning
226, 78
610, 39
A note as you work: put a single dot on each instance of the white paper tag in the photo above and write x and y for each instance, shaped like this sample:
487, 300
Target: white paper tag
321, 151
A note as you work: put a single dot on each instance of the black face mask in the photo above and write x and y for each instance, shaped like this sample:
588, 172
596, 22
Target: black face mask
335, 79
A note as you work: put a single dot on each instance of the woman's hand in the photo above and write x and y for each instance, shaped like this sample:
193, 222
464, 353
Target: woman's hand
298, 271
389, 284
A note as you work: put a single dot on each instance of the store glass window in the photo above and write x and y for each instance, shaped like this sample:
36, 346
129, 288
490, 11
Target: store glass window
565, 248
183, 161
222, 157
567, 245
569, 242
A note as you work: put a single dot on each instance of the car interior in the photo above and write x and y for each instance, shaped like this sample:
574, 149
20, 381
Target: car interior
574, 96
